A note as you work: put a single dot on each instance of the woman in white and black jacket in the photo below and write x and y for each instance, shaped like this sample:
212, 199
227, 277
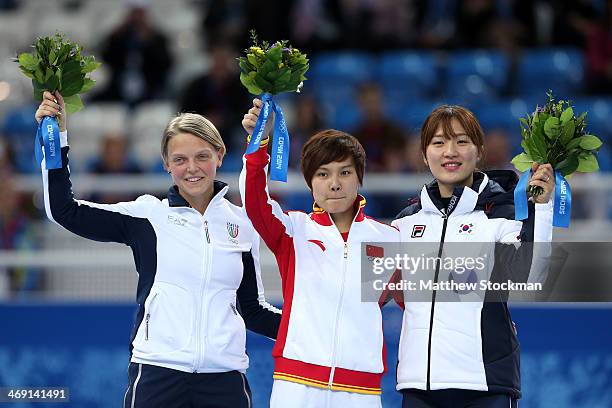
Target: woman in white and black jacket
460, 354
197, 258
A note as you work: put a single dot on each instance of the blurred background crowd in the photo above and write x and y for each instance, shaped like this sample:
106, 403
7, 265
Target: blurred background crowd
377, 69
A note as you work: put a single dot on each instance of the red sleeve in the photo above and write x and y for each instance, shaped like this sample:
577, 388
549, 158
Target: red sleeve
268, 218
397, 295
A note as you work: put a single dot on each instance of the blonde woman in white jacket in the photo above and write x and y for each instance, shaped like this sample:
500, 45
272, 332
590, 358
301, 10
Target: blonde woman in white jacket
197, 258
460, 354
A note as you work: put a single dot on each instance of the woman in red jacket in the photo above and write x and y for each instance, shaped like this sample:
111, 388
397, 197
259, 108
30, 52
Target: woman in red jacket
329, 350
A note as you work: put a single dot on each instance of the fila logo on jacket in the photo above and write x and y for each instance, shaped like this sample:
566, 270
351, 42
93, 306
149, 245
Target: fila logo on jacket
469, 345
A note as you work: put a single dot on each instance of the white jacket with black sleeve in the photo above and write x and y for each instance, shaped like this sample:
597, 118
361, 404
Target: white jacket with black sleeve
199, 280
470, 345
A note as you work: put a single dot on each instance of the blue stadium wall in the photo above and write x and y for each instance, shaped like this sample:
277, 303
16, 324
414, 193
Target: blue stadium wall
566, 359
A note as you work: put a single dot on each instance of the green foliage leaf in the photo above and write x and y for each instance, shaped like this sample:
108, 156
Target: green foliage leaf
274, 54
522, 162
87, 85
51, 84
252, 60
245, 66
574, 143
525, 147
250, 85
551, 127
535, 118
590, 142
73, 103
272, 69
283, 80
38, 90
89, 64
48, 74
588, 163
56, 63
64, 53
267, 68
539, 148
29, 74
567, 115
39, 74
568, 132
264, 84
28, 61
534, 153
553, 134
569, 165
72, 79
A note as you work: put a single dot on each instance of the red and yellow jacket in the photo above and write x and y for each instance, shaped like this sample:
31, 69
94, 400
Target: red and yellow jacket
328, 337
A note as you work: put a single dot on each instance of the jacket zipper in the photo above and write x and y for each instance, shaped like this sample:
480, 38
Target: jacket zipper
147, 326
148, 316
433, 297
333, 366
202, 290
206, 231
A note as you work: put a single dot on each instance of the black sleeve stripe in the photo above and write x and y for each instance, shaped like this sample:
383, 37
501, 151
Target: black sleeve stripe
124, 222
257, 317
93, 221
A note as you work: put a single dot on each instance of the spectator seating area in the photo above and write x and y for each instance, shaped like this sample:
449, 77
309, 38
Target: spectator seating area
413, 82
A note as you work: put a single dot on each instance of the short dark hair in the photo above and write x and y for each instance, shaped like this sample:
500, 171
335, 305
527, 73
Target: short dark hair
328, 146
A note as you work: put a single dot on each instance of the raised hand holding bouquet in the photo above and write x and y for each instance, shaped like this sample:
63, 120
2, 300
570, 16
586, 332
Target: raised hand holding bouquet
57, 66
553, 134
267, 70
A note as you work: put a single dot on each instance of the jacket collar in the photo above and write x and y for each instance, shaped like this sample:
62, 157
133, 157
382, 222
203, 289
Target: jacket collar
176, 200
463, 200
320, 216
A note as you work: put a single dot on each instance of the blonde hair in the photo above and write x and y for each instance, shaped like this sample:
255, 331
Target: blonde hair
193, 124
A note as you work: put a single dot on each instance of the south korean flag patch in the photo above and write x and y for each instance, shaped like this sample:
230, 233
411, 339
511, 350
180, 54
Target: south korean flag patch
418, 231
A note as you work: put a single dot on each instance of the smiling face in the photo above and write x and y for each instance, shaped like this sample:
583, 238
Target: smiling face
452, 159
193, 164
335, 186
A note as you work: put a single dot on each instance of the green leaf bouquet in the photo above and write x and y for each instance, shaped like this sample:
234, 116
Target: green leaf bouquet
57, 64
554, 134
272, 68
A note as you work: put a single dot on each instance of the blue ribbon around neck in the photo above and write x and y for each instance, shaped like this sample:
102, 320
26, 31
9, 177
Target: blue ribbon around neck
47, 145
562, 201
280, 144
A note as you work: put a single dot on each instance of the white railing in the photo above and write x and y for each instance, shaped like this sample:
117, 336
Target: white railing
76, 268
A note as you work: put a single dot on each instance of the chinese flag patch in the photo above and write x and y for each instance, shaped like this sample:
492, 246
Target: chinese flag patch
375, 251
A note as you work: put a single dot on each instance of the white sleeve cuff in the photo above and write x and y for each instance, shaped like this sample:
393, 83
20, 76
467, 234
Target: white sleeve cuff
64, 138
543, 222
545, 206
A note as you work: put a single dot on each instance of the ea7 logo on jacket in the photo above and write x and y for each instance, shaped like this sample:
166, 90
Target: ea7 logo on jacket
418, 231
172, 219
